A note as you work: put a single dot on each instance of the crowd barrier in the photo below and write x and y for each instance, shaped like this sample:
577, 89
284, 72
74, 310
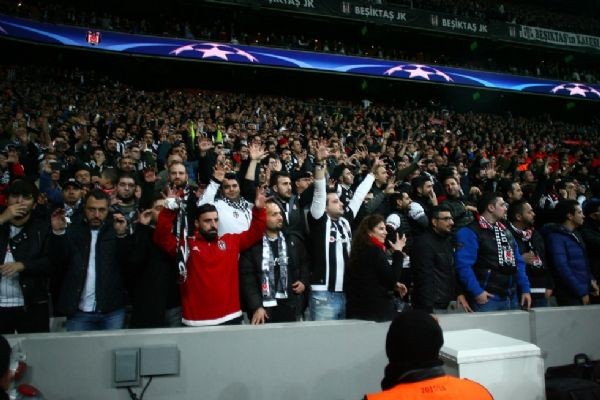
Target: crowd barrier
297, 361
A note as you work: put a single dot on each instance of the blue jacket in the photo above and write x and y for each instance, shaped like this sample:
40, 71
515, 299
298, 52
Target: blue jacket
466, 257
568, 258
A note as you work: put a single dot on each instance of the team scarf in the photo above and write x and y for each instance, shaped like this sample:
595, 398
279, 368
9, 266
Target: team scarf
506, 255
241, 204
526, 236
181, 235
271, 290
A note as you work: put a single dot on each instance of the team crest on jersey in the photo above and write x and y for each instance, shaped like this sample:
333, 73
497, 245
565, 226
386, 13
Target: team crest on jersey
236, 214
221, 245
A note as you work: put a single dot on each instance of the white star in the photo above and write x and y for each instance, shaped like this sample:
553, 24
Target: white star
592, 90
187, 47
242, 53
419, 72
559, 87
577, 90
214, 52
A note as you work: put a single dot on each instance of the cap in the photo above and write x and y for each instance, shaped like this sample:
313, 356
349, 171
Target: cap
303, 175
73, 182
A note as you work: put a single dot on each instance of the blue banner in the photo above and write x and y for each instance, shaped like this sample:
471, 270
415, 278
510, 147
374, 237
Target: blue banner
82, 38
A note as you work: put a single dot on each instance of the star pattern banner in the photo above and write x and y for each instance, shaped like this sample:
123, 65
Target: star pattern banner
109, 41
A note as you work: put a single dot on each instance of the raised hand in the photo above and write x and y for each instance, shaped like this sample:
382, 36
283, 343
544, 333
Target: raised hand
120, 224
376, 164
257, 152
322, 151
145, 217
390, 187
399, 244
260, 200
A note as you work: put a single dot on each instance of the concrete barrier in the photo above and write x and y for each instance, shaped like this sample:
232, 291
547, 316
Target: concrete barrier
308, 360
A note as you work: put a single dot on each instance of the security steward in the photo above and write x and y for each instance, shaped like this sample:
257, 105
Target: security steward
415, 370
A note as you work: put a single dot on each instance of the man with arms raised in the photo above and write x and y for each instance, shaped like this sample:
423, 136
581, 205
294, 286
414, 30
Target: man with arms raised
210, 292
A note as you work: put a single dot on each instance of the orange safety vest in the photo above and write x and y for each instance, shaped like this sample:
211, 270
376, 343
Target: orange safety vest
442, 388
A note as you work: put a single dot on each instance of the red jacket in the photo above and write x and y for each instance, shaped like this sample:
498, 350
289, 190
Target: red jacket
210, 295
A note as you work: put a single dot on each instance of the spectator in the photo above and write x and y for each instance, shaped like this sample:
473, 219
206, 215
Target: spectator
92, 255
521, 219
210, 292
153, 281
274, 273
232, 206
590, 231
436, 285
568, 257
371, 279
26, 267
489, 265
330, 237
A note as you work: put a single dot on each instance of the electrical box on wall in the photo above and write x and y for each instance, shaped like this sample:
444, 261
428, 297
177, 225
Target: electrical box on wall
159, 360
126, 367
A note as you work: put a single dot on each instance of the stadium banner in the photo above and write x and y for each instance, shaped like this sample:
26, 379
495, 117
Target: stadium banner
255, 56
427, 20
554, 38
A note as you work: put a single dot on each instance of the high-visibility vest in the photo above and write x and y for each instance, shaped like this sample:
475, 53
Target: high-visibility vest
442, 388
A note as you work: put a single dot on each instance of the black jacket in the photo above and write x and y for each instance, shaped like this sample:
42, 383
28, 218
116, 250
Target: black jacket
152, 281
30, 247
70, 253
434, 276
590, 231
370, 280
540, 276
251, 273
294, 224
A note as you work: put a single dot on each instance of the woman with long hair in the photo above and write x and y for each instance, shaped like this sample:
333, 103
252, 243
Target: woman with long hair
371, 280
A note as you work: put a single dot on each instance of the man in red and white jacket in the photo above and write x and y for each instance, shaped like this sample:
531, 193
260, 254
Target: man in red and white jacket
210, 294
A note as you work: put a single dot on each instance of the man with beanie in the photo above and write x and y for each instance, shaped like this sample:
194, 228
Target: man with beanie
415, 370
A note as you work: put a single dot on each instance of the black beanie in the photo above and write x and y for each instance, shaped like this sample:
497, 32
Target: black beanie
5, 351
414, 340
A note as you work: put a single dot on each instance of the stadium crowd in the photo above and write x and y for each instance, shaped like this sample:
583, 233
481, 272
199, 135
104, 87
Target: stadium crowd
237, 27
123, 207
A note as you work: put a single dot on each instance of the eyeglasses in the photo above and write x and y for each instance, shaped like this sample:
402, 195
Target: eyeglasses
444, 218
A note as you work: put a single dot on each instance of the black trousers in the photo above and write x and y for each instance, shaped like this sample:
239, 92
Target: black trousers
34, 318
284, 311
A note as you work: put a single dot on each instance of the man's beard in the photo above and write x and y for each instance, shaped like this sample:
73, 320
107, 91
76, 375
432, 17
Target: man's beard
130, 199
284, 197
179, 185
210, 236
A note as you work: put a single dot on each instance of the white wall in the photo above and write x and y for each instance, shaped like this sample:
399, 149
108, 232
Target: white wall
309, 360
